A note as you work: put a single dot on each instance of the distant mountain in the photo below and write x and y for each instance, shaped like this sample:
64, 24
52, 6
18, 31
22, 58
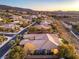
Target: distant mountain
5, 7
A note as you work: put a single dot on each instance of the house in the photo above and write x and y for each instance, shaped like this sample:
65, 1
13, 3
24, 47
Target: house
40, 45
41, 26
8, 25
41, 41
33, 16
46, 22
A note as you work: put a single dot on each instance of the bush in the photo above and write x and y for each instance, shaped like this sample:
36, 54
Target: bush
65, 41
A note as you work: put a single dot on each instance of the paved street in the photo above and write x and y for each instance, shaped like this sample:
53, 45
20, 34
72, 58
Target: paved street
7, 46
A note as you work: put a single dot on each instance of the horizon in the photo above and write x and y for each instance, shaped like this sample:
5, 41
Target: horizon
44, 10
44, 5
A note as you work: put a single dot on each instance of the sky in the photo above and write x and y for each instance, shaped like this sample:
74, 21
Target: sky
44, 5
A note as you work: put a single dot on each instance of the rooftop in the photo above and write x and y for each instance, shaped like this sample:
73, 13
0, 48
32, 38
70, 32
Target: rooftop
41, 41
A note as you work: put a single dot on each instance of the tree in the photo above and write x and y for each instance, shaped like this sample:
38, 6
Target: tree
7, 20
16, 53
24, 23
37, 20
67, 51
64, 41
29, 48
2, 38
76, 27
32, 29
15, 42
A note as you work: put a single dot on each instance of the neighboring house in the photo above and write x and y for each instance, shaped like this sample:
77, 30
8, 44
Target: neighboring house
46, 22
16, 17
43, 26
9, 25
15, 22
33, 16
27, 17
